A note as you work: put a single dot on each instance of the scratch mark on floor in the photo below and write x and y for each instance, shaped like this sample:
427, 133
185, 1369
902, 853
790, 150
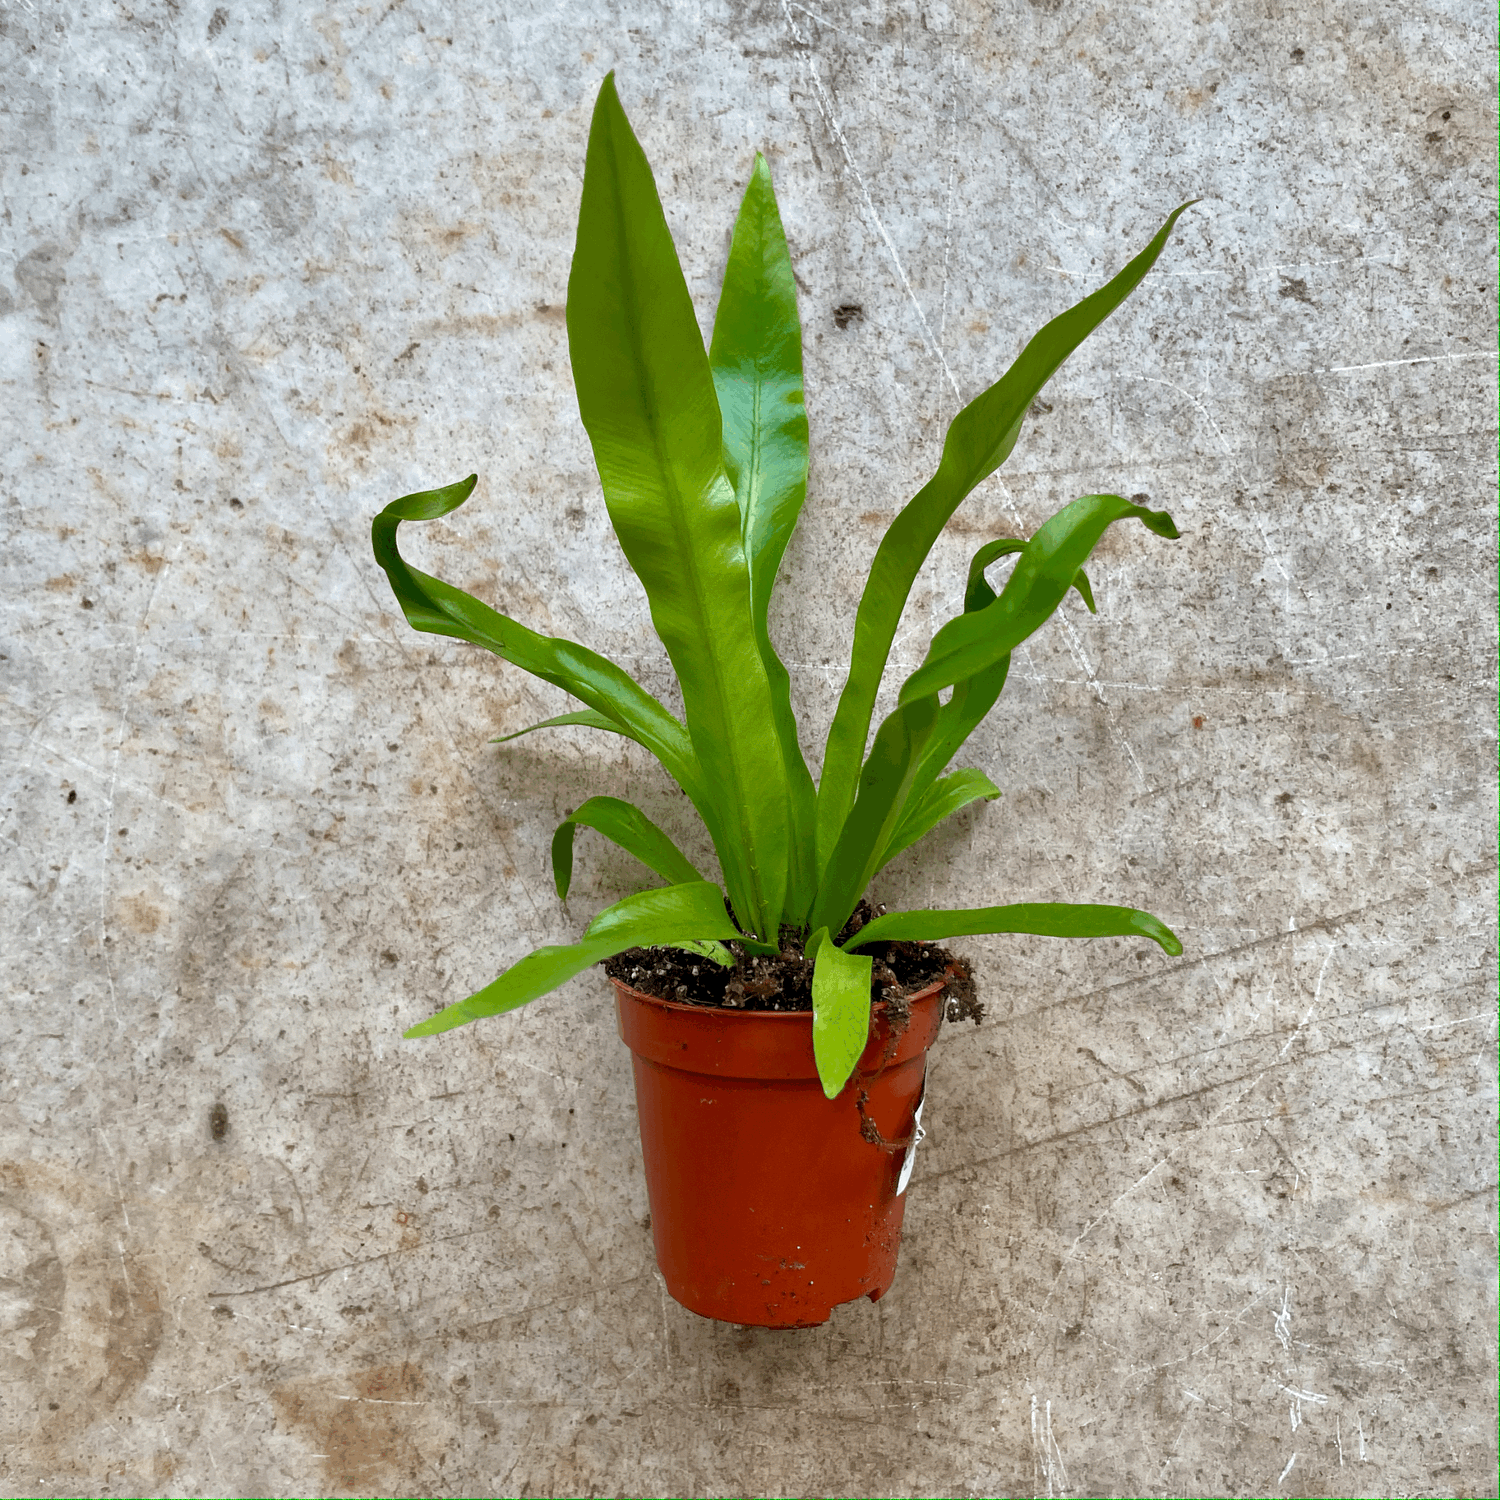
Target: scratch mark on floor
952, 182
1282, 1325
1386, 364
1182, 1145
126, 698
825, 108
1484, 1015
119, 1191
821, 20
1233, 1322
369, 1260
1047, 1453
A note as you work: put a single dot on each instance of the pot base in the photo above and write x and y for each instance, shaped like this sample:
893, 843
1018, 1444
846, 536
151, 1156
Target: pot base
770, 1204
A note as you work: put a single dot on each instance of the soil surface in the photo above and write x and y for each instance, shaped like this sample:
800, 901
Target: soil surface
784, 982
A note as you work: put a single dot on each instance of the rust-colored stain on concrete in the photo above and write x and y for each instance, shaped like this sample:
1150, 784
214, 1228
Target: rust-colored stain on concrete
362, 1434
81, 1315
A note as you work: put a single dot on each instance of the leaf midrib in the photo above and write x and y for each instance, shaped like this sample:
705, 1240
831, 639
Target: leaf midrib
678, 508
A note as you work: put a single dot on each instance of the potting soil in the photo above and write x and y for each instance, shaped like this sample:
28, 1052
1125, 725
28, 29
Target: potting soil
784, 982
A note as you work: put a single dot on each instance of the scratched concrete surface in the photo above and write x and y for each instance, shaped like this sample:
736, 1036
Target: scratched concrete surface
1221, 1225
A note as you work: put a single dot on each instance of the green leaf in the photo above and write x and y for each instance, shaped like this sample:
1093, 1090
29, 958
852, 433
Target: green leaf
884, 785
626, 825
690, 912
1046, 569
756, 358
841, 1010
978, 593
941, 800
979, 439
647, 399
1081, 583
973, 697
715, 951
438, 608
588, 718
977, 590
970, 699
1043, 918
966, 707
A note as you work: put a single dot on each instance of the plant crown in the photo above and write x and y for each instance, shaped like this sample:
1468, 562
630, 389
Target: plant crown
703, 459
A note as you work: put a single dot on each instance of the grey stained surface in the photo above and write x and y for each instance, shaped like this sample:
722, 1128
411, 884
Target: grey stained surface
1218, 1225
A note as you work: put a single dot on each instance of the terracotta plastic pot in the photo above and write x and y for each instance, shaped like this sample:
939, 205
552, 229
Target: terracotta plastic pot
771, 1204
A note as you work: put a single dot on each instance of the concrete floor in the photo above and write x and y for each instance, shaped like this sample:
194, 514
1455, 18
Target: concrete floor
1216, 1226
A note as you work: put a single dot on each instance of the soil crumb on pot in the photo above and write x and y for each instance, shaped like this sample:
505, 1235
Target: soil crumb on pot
784, 982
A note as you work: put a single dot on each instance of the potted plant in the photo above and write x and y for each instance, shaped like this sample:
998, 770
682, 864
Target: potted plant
777, 1137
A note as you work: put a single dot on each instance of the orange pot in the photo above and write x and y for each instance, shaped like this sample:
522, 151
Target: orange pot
771, 1204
